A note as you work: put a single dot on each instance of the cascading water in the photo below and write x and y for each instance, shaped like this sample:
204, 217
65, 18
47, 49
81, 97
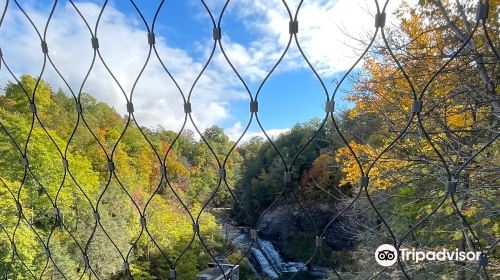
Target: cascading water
263, 263
265, 257
270, 260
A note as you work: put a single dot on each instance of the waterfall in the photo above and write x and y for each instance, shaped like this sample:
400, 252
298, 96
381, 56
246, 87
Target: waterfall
270, 252
272, 259
264, 264
266, 257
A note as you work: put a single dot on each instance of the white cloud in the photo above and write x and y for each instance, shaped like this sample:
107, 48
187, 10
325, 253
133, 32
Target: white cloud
123, 44
236, 130
329, 34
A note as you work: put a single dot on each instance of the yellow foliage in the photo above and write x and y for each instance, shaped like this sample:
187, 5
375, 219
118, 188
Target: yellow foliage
470, 211
485, 221
383, 175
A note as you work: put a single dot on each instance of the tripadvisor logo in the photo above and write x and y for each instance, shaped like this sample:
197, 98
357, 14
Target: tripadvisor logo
387, 255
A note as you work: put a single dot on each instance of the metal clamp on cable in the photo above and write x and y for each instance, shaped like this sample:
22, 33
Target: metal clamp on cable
97, 217
380, 20
19, 208
452, 186
13, 247
319, 241
151, 38
130, 107
86, 260
329, 106
143, 222
111, 166
47, 252
216, 33
45, 48
363, 181
24, 161
163, 170
293, 27
56, 212
253, 235
173, 273
288, 176
95, 43
221, 173
65, 162
254, 106
126, 266
417, 106
187, 107
482, 10
79, 107
196, 228
483, 260
33, 108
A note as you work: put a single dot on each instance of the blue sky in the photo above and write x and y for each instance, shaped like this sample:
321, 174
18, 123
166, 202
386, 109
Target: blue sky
254, 33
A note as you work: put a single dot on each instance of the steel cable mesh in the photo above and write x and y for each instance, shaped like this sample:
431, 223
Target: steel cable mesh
415, 120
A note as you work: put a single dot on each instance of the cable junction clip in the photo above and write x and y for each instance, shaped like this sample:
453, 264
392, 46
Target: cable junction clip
254, 106
173, 273
45, 48
482, 10
126, 266
111, 166
253, 235
452, 186
95, 43
151, 38
97, 217
221, 173
33, 108
79, 107
293, 27
65, 162
483, 260
187, 107
319, 241
417, 106
329, 106
19, 208
24, 161
380, 20
216, 33
56, 212
143, 221
363, 181
130, 107
86, 260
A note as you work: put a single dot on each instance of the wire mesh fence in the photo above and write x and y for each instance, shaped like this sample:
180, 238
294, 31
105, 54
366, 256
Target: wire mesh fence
456, 166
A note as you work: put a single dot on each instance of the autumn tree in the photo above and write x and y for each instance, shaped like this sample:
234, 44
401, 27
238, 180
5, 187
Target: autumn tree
459, 119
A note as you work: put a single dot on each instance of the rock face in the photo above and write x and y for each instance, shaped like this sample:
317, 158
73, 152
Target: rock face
289, 227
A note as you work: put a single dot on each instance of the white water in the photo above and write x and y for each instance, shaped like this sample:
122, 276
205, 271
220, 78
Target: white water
267, 256
264, 264
270, 260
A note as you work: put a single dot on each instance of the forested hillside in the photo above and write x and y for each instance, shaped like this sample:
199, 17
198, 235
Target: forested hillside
191, 173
